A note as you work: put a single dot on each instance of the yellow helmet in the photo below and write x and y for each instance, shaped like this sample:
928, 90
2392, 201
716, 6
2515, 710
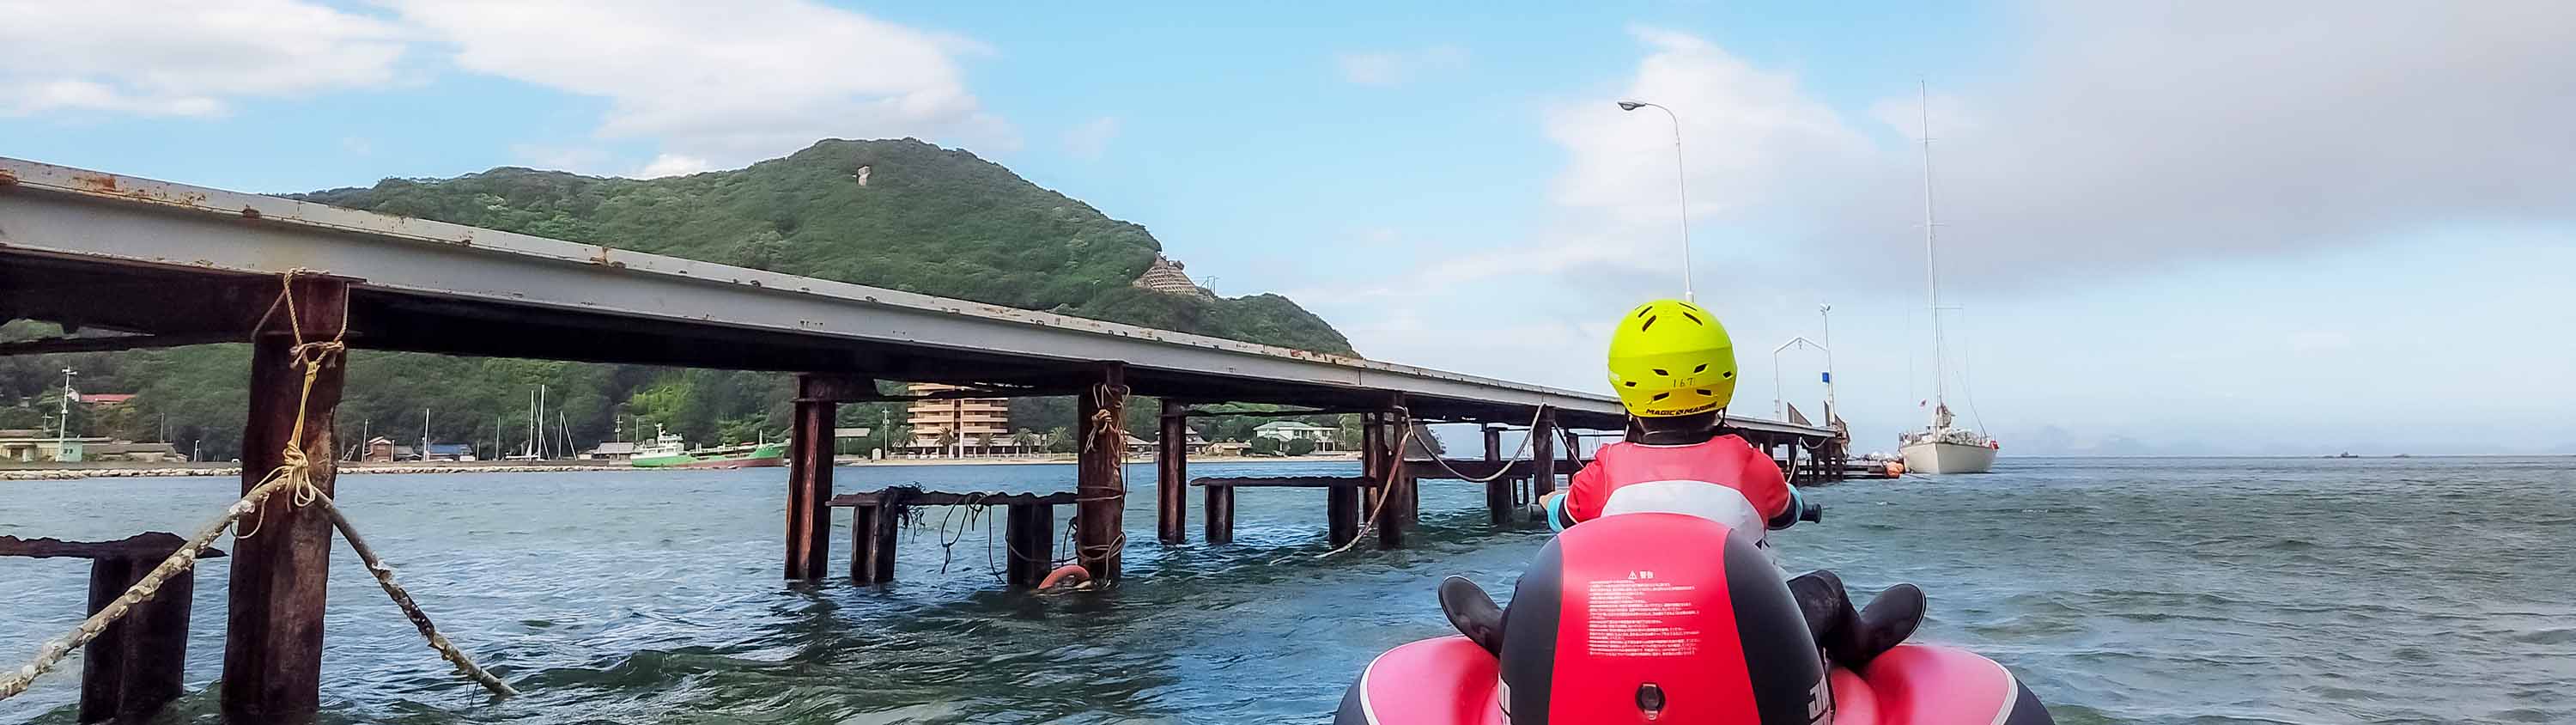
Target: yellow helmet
1672, 358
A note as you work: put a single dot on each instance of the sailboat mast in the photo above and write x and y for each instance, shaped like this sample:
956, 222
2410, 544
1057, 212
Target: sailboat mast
1931, 258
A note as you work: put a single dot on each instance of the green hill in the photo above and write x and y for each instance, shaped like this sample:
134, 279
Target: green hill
898, 214
919, 218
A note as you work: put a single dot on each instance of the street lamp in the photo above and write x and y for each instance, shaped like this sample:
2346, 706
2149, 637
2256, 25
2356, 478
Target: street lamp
1778, 408
1827, 311
62, 435
1681, 183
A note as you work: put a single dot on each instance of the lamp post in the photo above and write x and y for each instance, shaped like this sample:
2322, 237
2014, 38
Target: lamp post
1827, 312
63, 434
1778, 408
1681, 182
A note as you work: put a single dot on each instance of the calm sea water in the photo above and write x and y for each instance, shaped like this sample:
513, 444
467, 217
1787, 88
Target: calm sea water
2122, 590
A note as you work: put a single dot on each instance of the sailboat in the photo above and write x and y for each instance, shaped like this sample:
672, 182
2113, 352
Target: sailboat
1943, 446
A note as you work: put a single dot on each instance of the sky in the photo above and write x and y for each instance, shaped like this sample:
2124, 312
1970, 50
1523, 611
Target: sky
2255, 227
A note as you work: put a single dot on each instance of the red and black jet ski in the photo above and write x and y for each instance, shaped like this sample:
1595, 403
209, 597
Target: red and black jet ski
1618, 621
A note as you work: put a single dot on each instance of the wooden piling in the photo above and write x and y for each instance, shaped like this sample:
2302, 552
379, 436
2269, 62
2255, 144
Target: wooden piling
1220, 514
1400, 496
1341, 515
1172, 477
137, 664
872, 538
1498, 492
809, 472
1029, 532
1372, 460
1542, 445
1100, 480
281, 575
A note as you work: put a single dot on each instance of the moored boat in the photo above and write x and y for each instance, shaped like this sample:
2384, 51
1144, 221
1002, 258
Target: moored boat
668, 450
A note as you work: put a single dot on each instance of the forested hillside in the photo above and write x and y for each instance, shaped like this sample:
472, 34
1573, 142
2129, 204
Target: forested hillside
901, 214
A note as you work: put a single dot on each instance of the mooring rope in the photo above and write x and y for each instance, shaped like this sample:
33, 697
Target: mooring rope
294, 471
402, 598
1104, 424
1535, 416
1386, 485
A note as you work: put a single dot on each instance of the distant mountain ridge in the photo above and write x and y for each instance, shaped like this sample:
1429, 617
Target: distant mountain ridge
901, 214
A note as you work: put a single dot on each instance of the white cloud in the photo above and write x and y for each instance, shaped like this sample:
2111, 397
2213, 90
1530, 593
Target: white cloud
672, 165
1395, 68
2144, 137
1090, 140
2130, 143
183, 58
724, 83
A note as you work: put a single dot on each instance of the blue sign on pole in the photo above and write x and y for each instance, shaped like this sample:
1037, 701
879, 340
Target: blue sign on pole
1829, 377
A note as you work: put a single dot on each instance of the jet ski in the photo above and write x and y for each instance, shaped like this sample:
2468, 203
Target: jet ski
1617, 621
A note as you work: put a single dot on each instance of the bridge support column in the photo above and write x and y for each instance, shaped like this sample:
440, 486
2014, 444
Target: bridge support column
1373, 445
1398, 495
1498, 492
1172, 476
279, 579
1542, 445
809, 472
1100, 478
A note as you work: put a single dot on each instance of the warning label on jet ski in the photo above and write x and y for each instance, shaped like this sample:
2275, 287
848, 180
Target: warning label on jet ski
1641, 617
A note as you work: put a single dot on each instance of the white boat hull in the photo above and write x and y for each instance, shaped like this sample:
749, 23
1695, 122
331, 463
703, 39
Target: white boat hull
1938, 458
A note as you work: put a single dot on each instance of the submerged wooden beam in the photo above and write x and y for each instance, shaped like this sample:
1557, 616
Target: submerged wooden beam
1286, 482
1463, 468
280, 576
154, 545
910, 496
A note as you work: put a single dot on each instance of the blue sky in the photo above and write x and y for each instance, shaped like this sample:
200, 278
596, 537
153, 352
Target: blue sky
2253, 228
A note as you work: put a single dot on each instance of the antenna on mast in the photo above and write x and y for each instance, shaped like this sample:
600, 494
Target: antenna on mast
1931, 255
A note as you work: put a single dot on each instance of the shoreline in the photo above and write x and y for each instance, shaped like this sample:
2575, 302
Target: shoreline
180, 471
1068, 459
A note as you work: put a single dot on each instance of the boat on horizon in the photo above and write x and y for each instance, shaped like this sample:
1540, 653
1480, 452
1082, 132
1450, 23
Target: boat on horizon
1943, 446
669, 450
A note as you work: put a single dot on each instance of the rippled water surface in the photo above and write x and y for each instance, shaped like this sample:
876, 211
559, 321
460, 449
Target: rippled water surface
2122, 590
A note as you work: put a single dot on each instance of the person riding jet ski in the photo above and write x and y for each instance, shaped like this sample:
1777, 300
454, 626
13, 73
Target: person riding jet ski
1673, 367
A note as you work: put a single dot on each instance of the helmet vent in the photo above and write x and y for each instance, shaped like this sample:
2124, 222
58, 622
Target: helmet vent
1632, 383
1693, 318
1702, 391
1703, 367
1660, 371
1650, 324
1727, 374
1661, 396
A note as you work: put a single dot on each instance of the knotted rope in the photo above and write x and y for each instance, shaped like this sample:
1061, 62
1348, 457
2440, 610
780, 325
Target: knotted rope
294, 471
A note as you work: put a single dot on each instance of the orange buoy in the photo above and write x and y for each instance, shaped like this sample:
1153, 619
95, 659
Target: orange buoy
1895, 468
1065, 577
